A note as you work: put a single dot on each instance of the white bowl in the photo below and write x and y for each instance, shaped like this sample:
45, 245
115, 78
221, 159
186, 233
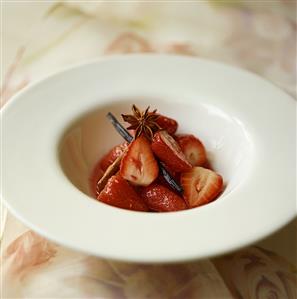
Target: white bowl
56, 130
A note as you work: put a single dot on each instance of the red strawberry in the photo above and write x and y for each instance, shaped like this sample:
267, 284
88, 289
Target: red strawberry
161, 199
207, 165
117, 192
192, 148
201, 186
139, 165
168, 150
95, 176
111, 156
168, 124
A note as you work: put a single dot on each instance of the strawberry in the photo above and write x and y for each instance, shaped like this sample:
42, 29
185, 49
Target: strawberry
207, 165
192, 148
168, 150
168, 124
201, 186
160, 199
95, 176
111, 156
117, 192
139, 165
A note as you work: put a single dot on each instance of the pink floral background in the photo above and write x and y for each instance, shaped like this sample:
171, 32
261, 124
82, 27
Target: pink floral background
41, 37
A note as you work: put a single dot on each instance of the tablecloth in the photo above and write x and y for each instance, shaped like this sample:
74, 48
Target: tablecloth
41, 37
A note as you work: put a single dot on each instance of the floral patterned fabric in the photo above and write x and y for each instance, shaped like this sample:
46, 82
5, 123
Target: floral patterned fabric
43, 37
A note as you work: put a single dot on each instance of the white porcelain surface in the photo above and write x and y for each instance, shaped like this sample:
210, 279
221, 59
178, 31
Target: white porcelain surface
54, 131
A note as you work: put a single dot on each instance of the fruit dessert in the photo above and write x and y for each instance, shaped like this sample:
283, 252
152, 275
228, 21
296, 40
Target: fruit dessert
154, 169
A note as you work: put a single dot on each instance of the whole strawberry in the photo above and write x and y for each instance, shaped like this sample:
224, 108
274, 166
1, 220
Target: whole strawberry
117, 192
167, 123
160, 199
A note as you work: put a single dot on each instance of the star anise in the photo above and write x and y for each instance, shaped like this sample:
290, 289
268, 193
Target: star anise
143, 122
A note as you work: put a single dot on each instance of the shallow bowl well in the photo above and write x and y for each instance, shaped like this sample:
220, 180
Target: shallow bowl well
91, 136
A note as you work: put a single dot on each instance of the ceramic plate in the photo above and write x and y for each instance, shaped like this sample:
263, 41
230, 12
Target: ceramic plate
56, 130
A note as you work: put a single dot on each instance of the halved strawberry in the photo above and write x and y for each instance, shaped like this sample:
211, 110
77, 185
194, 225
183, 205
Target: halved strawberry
192, 148
168, 150
168, 124
201, 186
139, 165
111, 156
160, 199
117, 192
